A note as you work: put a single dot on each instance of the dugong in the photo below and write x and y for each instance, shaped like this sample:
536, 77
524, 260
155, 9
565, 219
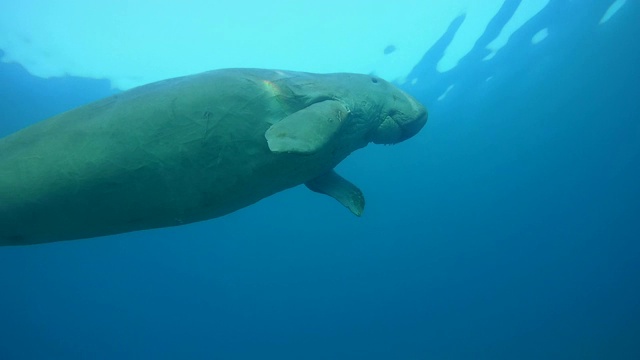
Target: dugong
193, 148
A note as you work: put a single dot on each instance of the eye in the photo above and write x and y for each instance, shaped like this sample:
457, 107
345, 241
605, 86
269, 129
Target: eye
374, 80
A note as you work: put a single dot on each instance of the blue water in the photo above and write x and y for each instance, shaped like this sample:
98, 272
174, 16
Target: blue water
509, 228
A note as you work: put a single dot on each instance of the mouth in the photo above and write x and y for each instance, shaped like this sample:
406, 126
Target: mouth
389, 132
402, 122
399, 127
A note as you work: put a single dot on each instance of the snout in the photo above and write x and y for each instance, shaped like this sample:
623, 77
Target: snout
405, 119
411, 124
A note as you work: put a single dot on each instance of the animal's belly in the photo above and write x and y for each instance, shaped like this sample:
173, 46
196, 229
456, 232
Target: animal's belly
148, 197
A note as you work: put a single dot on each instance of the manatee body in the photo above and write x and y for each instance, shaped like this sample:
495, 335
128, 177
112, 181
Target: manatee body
193, 148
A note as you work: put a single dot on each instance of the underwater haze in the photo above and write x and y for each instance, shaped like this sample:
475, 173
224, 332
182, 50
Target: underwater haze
508, 228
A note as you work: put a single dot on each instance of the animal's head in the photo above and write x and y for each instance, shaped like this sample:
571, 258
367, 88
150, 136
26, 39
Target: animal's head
401, 115
390, 114
342, 111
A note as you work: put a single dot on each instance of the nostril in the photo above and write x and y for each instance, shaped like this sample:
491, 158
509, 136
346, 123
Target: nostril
374, 80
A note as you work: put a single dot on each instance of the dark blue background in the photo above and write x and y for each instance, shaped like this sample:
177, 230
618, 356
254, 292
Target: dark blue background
508, 229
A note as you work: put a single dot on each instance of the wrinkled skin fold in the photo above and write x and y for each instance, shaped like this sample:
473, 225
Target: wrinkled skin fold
193, 148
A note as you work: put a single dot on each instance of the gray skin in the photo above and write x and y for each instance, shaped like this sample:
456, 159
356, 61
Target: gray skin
193, 148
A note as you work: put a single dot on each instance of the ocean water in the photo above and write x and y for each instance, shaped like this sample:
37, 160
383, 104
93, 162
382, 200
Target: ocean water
509, 228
